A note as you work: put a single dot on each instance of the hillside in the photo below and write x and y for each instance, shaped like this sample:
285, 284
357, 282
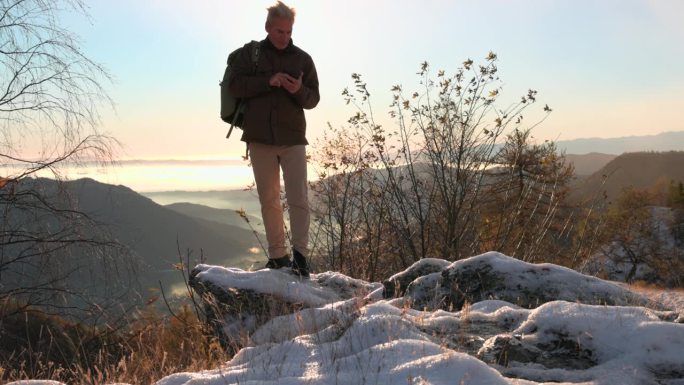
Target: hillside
639, 170
154, 234
588, 164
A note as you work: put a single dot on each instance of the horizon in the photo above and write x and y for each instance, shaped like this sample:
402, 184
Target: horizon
194, 175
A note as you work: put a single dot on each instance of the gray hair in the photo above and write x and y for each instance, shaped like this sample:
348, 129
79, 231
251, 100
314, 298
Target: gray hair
279, 9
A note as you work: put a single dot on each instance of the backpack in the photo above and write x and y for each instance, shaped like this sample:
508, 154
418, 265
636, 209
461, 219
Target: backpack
232, 108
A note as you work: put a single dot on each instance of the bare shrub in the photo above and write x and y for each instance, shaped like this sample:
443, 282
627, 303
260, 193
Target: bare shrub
457, 175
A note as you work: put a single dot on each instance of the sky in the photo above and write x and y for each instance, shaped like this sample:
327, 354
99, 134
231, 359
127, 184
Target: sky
607, 68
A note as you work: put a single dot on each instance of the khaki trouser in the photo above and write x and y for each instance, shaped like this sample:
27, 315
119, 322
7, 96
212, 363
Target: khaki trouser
267, 161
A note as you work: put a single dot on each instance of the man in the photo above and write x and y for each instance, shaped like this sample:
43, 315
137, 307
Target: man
277, 92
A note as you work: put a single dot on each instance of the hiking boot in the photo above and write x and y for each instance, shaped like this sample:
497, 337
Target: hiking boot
299, 264
278, 263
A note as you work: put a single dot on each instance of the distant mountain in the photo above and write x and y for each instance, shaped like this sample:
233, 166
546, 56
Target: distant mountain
226, 216
667, 141
224, 199
588, 164
639, 170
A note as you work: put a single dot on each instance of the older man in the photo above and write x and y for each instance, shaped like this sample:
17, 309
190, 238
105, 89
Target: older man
283, 84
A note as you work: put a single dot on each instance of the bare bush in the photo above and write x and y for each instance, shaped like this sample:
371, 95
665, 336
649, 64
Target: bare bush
458, 175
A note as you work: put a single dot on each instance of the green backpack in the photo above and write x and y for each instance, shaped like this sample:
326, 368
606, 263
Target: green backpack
232, 108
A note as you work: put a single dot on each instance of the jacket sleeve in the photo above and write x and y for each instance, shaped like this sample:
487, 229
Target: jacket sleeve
308, 96
243, 82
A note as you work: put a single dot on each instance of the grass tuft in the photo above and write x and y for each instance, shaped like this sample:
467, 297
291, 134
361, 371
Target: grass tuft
35, 345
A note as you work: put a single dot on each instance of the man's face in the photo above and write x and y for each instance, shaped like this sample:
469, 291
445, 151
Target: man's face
280, 32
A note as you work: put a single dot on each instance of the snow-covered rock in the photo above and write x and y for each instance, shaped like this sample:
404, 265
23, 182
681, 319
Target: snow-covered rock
496, 276
238, 302
489, 319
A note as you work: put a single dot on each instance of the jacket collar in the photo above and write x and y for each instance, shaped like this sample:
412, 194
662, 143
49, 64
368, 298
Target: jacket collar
267, 44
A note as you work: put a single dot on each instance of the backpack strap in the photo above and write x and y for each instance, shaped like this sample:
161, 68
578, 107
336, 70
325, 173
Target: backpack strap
254, 45
255, 53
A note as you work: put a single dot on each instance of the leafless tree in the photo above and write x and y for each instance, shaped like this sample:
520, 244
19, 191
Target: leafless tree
51, 95
638, 236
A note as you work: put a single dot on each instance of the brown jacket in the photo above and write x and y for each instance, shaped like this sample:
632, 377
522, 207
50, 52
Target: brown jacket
273, 115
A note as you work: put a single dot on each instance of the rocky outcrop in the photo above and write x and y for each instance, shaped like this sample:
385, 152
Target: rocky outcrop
236, 302
496, 276
537, 322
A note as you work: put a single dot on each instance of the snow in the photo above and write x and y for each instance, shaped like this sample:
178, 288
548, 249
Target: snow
344, 335
379, 347
632, 337
560, 282
278, 281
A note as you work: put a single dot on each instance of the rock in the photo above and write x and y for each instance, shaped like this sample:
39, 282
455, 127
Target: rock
496, 276
563, 352
395, 286
501, 349
237, 302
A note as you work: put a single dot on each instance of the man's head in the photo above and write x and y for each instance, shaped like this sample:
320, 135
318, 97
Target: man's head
279, 24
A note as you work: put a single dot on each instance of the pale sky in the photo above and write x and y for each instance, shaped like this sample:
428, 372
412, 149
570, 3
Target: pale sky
608, 68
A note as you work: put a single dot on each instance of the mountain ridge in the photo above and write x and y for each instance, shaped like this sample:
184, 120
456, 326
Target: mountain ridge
665, 141
155, 236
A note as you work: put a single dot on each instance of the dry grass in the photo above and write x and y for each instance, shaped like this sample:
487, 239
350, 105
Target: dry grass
154, 345
670, 298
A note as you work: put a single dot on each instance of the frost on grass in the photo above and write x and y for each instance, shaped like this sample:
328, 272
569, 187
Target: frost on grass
489, 319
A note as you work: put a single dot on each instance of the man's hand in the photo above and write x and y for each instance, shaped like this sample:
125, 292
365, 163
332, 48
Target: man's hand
291, 84
286, 81
277, 79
